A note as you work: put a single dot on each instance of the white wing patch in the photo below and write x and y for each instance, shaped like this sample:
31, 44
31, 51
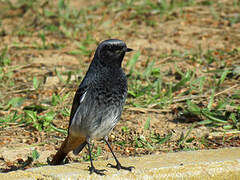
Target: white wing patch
76, 120
83, 97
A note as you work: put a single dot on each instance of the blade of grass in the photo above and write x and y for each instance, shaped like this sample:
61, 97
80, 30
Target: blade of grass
211, 100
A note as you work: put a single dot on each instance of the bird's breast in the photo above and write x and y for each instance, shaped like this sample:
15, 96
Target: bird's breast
111, 95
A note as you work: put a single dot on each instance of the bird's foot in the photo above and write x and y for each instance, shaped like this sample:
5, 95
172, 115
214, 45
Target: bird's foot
92, 169
119, 166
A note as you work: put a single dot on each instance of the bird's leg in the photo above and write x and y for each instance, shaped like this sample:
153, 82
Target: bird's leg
118, 166
92, 168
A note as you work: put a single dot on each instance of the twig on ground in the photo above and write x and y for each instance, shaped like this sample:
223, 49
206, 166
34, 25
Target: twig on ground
226, 90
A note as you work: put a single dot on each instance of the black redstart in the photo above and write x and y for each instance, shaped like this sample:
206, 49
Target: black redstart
98, 103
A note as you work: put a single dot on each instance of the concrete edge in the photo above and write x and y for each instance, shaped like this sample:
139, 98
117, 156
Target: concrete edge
194, 165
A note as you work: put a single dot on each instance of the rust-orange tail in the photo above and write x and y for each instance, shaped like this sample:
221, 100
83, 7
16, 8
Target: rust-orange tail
69, 144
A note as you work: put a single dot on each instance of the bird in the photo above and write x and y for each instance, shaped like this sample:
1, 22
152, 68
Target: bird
97, 104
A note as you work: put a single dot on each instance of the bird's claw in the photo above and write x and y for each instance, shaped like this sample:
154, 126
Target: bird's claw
119, 166
92, 169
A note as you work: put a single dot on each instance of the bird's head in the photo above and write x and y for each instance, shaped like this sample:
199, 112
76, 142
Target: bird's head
111, 52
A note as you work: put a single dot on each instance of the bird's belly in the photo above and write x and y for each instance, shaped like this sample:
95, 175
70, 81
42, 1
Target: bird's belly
102, 130
97, 124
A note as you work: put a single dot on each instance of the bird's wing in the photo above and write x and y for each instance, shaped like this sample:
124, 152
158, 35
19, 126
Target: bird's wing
79, 96
81, 92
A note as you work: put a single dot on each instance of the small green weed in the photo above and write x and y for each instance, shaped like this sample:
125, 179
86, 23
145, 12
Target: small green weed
4, 59
94, 154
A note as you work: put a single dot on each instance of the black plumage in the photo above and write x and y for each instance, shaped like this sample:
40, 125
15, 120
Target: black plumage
98, 102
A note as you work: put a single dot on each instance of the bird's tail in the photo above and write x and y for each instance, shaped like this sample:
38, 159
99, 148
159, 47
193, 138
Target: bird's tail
69, 144
79, 148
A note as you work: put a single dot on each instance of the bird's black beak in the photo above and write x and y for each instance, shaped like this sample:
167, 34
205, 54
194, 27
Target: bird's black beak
128, 50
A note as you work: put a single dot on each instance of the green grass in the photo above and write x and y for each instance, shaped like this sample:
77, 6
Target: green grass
147, 89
